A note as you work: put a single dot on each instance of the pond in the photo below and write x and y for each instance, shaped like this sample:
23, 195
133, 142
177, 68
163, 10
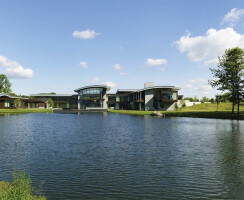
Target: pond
114, 156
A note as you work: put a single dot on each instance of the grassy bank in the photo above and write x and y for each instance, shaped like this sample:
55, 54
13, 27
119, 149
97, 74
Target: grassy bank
205, 114
199, 111
19, 111
212, 107
19, 189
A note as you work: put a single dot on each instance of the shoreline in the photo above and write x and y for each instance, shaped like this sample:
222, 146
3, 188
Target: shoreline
193, 114
22, 111
222, 114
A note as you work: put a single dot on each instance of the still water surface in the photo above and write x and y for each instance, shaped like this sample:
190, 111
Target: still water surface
113, 156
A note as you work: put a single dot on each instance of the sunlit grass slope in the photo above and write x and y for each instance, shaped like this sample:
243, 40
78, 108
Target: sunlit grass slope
212, 107
205, 110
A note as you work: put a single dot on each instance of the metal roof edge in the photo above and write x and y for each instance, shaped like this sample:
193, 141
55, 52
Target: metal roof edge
52, 95
92, 86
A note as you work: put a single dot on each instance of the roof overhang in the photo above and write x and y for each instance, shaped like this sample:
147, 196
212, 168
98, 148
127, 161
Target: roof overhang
160, 87
149, 88
126, 90
93, 86
52, 95
4, 95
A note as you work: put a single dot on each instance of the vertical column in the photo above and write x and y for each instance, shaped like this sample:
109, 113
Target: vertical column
104, 97
78, 101
101, 101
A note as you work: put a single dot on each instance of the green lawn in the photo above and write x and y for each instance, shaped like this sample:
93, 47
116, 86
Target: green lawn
205, 110
19, 111
212, 107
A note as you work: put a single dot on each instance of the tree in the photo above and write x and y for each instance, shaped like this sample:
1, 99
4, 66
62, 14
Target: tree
17, 103
189, 98
182, 101
205, 99
5, 85
195, 99
229, 74
50, 103
226, 97
176, 107
212, 100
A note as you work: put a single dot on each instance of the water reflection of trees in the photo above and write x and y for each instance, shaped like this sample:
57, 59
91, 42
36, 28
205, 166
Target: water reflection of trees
230, 157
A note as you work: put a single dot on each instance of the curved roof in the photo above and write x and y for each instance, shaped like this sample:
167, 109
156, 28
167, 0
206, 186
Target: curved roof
148, 88
4, 95
160, 87
93, 86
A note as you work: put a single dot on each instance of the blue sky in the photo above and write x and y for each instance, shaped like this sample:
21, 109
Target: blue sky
120, 43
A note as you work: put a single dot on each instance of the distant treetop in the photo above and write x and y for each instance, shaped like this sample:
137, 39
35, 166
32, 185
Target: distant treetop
48, 93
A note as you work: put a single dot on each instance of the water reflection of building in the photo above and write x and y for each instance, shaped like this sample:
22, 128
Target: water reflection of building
96, 97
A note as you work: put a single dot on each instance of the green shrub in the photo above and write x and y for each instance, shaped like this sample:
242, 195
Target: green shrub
19, 189
176, 107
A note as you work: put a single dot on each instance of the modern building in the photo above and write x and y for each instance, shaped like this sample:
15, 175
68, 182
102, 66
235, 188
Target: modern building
7, 102
149, 98
97, 97
64, 101
92, 97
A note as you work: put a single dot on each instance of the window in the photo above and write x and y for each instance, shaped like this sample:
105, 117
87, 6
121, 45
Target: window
111, 98
7, 104
91, 91
168, 96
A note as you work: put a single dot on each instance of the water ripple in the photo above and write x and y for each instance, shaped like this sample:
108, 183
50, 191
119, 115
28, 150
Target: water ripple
112, 156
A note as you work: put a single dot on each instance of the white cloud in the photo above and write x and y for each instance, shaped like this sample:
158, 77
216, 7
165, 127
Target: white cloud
199, 87
123, 73
188, 86
117, 67
198, 80
14, 69
233, 16
83, 64
213, 61
208, 47
86, 34
94, 80
204, 89
110, 84
155, 62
